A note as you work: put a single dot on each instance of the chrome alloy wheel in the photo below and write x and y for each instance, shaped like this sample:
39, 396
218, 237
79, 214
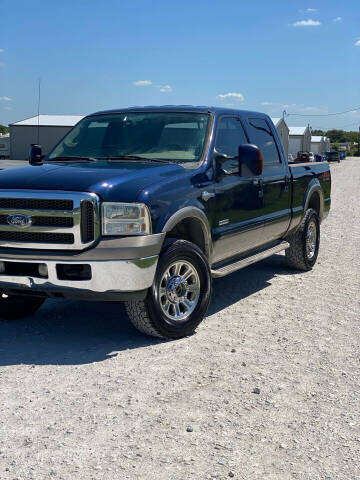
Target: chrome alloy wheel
311, 240
179, 290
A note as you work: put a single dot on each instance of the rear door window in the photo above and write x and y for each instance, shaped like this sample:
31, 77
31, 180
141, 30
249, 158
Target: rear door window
261, 135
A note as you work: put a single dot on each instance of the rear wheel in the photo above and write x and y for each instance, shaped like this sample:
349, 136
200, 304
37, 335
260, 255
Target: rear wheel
180, 295
304, 243
13, 307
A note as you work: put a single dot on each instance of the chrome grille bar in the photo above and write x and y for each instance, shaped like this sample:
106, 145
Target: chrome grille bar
24, 198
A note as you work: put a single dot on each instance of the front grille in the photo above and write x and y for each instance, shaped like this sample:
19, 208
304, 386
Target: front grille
36, 204
87, 221
37, 237
45, 221
59, 220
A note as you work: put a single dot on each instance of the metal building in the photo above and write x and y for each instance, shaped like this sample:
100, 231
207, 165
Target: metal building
320, 145
4, 145
47, 130
283, 131
299, 140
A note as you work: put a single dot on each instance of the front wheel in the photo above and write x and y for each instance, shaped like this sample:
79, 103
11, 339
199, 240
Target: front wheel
304, 243
180, 295
13, 307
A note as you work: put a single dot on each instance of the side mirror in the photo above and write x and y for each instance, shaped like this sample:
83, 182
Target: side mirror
225, 164
35, 155
250, 161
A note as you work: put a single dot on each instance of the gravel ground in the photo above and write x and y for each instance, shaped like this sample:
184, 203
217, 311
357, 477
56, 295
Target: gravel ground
268, 388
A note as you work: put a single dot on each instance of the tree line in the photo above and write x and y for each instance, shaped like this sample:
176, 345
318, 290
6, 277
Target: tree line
3, 129
338, 136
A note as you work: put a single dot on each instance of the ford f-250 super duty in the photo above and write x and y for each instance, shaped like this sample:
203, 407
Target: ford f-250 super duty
146, 205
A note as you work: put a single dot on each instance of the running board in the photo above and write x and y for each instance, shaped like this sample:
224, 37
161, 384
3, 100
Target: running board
244, 262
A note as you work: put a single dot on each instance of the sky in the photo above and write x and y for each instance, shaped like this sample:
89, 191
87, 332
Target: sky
299, 56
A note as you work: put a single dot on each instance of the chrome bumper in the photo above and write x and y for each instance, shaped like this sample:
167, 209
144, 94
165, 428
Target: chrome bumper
107, 276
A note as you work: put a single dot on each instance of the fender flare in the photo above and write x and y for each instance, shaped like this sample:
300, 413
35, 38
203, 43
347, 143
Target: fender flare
192, 212
314, 187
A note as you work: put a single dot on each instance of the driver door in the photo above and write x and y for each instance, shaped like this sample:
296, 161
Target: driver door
238, 224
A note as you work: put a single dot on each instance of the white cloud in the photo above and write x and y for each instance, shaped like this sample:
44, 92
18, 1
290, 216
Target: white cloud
8, 108
2, 50
239, 97
2, 64
337, 19
142, 83
266, 103
5, 99
166, 89
311, 10
306, 23
357, 44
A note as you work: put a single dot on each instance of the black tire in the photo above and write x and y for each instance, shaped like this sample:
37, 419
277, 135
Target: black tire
148, 315
13, 307
297, 256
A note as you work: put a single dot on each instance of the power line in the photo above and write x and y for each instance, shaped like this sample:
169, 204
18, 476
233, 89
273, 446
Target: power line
321, 114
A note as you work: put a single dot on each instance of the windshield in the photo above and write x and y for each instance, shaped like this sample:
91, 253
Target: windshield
178, 137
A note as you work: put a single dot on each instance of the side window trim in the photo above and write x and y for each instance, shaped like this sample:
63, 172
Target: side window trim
273, 136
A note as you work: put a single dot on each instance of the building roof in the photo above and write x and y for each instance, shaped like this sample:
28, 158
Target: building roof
316, 139
275, 120
297, 130
51, 120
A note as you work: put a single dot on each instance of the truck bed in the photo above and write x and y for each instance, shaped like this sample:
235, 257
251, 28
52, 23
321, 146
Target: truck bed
302, 174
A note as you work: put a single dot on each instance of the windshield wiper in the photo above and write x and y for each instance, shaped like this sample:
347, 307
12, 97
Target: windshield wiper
72, 158
138, 157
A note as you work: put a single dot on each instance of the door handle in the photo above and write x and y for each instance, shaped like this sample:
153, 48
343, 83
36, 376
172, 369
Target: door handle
287, 183
260, 185
207, 195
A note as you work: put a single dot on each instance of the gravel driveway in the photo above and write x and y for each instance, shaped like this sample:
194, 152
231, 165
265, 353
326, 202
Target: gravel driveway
268, 388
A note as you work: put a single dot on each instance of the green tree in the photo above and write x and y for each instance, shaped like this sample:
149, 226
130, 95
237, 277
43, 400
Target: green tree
319, 133
4, 129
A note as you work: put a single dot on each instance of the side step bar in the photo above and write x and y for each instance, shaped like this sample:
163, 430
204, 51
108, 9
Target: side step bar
244, 262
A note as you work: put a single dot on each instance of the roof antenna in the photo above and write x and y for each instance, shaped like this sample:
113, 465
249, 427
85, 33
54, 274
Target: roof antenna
38, 115
284, 114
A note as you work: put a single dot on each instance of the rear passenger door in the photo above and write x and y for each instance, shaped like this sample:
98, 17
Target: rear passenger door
275, 180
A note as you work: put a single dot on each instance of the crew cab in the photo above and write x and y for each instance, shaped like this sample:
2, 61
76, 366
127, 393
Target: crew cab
147, 205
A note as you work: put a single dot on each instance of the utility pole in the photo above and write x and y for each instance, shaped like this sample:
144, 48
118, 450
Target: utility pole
359, 143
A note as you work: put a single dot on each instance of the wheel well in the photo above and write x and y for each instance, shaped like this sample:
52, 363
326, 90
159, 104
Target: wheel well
190, 229
315, 202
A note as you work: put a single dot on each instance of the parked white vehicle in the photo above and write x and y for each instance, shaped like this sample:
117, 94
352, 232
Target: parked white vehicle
311, 157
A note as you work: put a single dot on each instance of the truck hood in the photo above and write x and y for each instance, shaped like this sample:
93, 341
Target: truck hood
112, 181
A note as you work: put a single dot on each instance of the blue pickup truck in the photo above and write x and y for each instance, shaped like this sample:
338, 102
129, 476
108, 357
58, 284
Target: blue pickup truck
147, 205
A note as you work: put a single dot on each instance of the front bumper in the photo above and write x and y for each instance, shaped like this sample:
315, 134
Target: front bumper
112, 278
115, 270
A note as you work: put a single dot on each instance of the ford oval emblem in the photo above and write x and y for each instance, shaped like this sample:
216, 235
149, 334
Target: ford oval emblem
19, 220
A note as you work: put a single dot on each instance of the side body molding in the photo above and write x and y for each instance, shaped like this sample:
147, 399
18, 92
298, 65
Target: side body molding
191, 213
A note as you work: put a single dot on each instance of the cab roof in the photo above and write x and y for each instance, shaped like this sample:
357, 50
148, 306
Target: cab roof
183, 108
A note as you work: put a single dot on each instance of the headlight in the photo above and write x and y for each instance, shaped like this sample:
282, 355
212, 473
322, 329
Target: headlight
125, 219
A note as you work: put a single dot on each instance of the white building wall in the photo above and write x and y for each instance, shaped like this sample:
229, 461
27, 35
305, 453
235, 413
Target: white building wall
307, 141
22, 136
295, 144
316, 148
